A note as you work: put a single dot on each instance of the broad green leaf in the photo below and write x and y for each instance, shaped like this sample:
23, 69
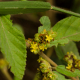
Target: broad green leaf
61, 69
60, 41
20, 7
60, 76
71, 46
15, 78
61, 51
18, 27
46, 24
68, 28
13, 46
40, 29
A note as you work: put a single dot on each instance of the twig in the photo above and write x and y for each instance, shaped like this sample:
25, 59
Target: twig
48, 59
5, 72
65, 11
77, 78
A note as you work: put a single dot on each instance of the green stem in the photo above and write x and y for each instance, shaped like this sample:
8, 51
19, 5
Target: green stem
47, 59
65, 11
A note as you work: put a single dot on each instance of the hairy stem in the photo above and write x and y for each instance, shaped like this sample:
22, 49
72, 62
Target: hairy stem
65, 11
5, 72
48, 59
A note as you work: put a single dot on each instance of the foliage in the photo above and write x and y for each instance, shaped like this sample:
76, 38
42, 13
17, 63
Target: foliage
13, 43
60, 76
62, 70
20, 7
63, 49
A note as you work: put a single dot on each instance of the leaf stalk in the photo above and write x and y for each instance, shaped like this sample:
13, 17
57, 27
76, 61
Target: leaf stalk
65, 11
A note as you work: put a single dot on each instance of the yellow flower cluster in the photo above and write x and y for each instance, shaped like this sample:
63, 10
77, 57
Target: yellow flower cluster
72, 61
34, 47
41, 41
45, 69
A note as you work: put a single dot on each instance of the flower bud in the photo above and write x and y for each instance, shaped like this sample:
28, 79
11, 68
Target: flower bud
37, 37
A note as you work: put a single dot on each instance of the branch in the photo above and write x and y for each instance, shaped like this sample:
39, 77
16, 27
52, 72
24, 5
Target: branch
65, 11
48, 59
5, 72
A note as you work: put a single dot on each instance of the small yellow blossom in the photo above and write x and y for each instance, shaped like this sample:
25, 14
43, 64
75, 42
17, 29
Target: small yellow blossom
48, 38
44, 78
38, 69
3, 63
40, 66
34, 47
50, 75
42, 47
39, 60
67, 53
44, 31
69, 66
34, 51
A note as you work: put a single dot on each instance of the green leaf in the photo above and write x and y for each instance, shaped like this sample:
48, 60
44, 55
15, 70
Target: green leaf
18, 27
46, 24
71, 46
61, 51
20, 7
61, 69
68, 28
13, 46
60, 41
60, 77
15, 78
40, 29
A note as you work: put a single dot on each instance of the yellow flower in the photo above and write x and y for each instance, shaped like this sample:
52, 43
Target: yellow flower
34, 47
50, 75
40, 58
42, 47
48, 38
44, 31
3, 63
69, 66
67, 53
34, 51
